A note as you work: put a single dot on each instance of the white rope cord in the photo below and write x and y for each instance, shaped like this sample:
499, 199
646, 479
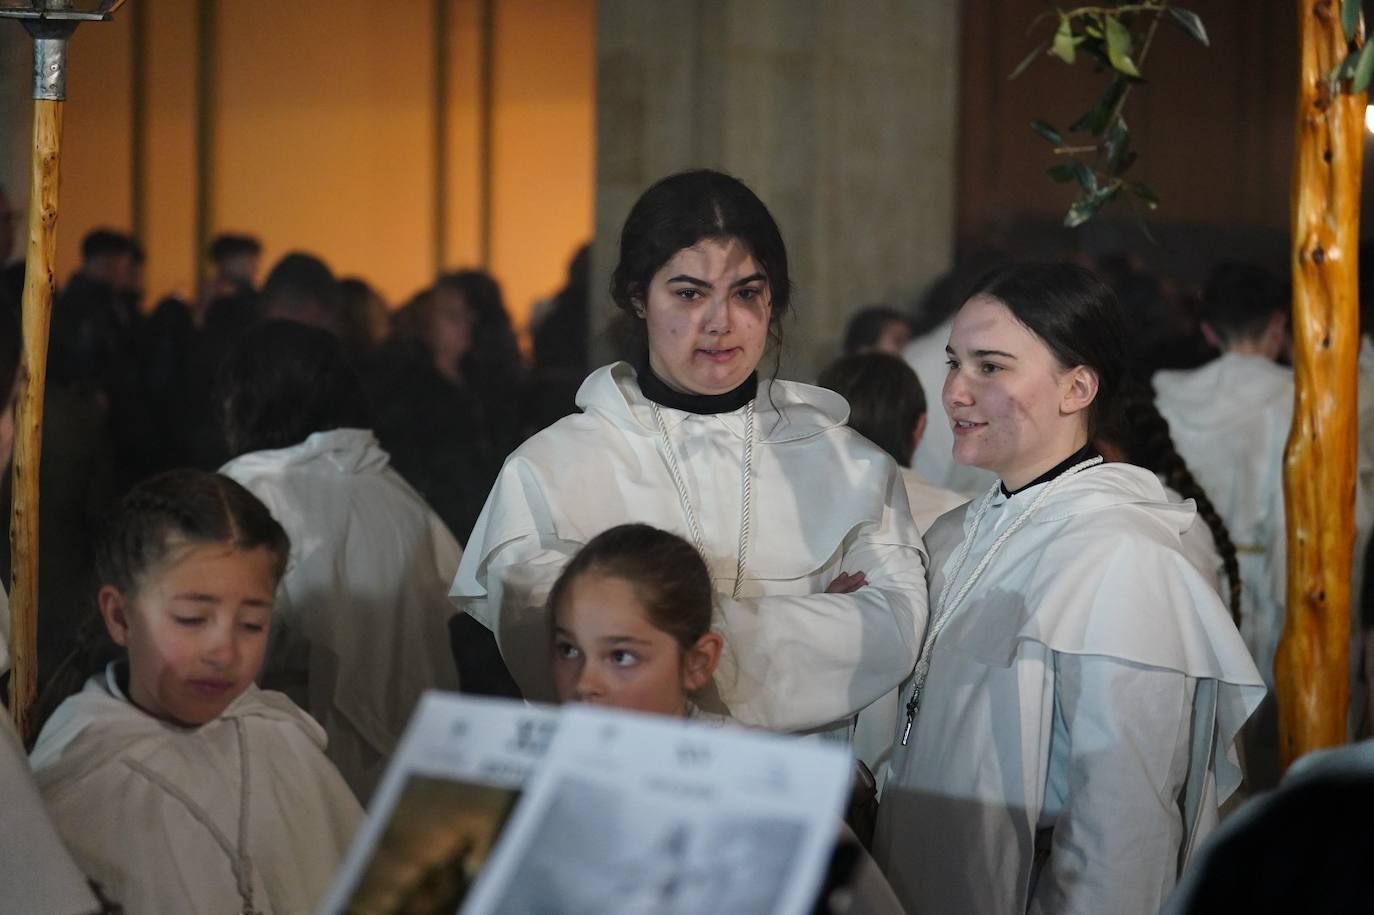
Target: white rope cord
240, 864
944, 612
746, 494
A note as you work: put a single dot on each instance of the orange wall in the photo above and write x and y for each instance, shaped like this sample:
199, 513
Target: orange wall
97, 153
544, 168
323, 127
322, 134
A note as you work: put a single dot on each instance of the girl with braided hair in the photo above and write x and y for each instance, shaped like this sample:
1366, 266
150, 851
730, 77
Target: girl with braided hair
177, 784
1137, 434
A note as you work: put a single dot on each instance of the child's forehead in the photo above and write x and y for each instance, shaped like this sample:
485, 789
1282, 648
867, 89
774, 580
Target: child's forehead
207, 562
597, 596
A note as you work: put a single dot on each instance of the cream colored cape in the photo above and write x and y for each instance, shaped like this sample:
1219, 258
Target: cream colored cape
361, 623
135, 798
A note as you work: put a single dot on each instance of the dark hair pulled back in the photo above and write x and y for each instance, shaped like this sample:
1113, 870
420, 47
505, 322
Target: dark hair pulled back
885, 399
159, 515
683, 209
1074, 313
282, 382
667, 573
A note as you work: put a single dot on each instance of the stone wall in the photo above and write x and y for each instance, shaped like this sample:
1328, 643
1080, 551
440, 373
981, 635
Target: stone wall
842, 116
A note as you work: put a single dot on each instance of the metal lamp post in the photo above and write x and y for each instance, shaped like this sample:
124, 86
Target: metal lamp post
50, 23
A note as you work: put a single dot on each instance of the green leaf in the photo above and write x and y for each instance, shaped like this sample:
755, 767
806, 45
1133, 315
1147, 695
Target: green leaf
1145, 193
1061, 174
1350, 18
1085, 208
1119, 47
1343, 70
1192, 23
1095, 121
1086, 179
1047, 131
1081, 211
1118, 145
1363, 70
1030, 59
1063, 44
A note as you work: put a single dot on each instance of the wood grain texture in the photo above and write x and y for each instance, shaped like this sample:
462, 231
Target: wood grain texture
37, 311
1312, 666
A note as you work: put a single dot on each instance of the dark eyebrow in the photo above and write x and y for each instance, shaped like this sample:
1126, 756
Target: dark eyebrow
981, 353
196, 597
684, 278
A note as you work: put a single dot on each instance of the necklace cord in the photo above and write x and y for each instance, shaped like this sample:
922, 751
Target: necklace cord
240, 864
746, 493
944, 611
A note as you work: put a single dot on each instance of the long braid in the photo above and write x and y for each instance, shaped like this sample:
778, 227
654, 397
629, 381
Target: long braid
93, 650
1152, 447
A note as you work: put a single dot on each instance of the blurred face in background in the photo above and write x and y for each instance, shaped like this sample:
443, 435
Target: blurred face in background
450, 330
894, 338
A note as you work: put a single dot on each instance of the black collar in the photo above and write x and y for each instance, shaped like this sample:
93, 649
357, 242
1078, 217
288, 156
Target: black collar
658, 391
1087, 452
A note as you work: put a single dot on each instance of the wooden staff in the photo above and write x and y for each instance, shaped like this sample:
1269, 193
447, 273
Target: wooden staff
37, 312
1313, 664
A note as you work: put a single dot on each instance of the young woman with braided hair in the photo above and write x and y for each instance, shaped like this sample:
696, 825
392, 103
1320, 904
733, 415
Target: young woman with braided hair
1137, 434
1069, 728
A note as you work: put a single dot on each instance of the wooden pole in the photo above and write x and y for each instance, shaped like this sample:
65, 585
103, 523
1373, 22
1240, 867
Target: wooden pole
37, 312
1312, 666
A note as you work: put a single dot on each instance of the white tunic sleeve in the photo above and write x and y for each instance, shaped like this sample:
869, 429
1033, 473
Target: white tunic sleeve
801, 662
1118, 760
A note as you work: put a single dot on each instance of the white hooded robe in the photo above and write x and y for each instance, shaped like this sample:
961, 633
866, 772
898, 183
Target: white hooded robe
361, 622
1076, 731
1229, 420
139, 802
825, 500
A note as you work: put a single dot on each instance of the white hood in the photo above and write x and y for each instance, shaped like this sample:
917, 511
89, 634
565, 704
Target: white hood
109, 725
342, 450
1251, 385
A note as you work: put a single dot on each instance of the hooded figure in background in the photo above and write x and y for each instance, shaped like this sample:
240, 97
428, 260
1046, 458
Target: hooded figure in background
362, 618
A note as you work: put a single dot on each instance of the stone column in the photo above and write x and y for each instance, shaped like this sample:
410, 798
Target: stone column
842, 116
16, 124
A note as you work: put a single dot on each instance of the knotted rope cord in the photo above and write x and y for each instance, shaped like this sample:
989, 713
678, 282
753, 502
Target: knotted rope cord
945, 610
746, 494
240, 864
